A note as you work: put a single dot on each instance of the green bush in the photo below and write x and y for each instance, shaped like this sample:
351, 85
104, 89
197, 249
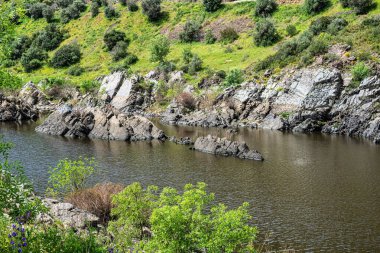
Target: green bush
73, 11
119, 51
265, 33
110, 12
70, 176
33, 58
210, 37
48, 13
361, 6
123, 2
9, 81
75, 71
191, 31
64, 3
360, 71
336, 25
80, 5
35, 11
228, 35
315, 6
152, 9
49, 38
94, 9
265, 8
320, 25
160, 49
192, 62
89, 86
112, 37
132, 5
66, 56
19, 46
345, 3
318, 46
233, 78
212, 5
291, 30
130, 59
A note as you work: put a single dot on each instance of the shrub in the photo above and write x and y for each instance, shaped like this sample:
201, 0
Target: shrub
89, 86
50, 38
212, 5
345, 3
195, 65
96, 200
65, 16
265, 33
48, 13
110, 12
337, 25
33, 58
35, 11
80, 5
152, 9
265, 8
70, 176
228, 35
94, 9
123, 2
320, 25
209, 37
160, 49
132, 5
73, 11
112, 37
291, 30
64, 3
130, 60
187, 100
19, 46
66, 56
191, 31
75, 71
361, 6
360, 71
166, 67
315, 6
9, 81
318, 46
119, 51
233, 78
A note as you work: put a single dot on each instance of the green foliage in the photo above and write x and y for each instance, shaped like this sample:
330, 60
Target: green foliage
265, 33
152, 9
49, 38
94, 9
361, 6
16, 191
345, 3
130, 59
360, 71
33, 58
73, 11
48, 13
132, 5
119, 51
291, 30
64, 3
228, 35
110, 12
19, 46
320, 25
233, 78
318, 46
315, 6
210, 37
336, 25
212, 5
35, 11
112, 37
191, 31
123, 2
160, 49
75, 71
265, 8
192, 62
89, 86
70, 175
9, 81
66, 56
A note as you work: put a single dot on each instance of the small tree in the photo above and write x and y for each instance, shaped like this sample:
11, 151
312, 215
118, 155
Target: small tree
132, 5
110, 12
265, 34
265, 8
291, 30
152, 9
361, 6
66, 56
191, 31
119, 51
123, 2
112, 37
35, 11
19, 46
160, 49
233, 78
48, 13
94, 9
359, 72
49, 38
33, 58
212, 5
228, 35
209, 37
315, 6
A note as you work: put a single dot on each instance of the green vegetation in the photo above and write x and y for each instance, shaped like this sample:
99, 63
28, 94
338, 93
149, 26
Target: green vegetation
265, 33
66, 56
265, 8
212, 5
360, 71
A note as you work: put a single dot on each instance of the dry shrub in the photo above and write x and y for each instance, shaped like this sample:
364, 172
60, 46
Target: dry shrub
187, 100
96, 200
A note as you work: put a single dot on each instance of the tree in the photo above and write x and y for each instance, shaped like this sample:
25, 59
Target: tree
49, 38
48, 13
265, 33
160, 49
94, 9
212, 5
19, 46
33, 58
152, 9
315, 6
265, 8
191, 31
112, 37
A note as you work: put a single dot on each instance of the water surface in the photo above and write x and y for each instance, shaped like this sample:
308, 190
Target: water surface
313, 193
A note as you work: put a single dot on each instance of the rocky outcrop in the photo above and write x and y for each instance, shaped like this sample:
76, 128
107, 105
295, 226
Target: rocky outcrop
224, 147
67, 214
102, 123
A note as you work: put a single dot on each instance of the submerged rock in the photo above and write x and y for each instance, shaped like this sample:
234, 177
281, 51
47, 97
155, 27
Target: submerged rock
224, 147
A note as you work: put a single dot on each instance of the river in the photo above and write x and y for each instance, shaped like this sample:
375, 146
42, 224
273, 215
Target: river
313, 192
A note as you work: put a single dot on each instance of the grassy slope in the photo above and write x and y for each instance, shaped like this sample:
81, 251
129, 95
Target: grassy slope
88, 32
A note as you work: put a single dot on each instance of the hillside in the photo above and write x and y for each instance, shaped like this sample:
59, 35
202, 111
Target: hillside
89, 31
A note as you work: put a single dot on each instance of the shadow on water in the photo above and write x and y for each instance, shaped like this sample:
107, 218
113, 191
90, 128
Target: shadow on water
313, 192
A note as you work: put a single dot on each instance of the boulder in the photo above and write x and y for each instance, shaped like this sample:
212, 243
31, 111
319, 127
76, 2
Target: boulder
224, 147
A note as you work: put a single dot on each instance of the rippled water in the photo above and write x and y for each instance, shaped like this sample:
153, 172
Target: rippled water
313, 193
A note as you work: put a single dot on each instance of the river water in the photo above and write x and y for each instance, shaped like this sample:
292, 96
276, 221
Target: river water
313, 193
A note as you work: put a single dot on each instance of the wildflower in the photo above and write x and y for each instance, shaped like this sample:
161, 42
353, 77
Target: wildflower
23, 239
24, 244
9, 235
13, 226
12, 242
14, 234
19, 250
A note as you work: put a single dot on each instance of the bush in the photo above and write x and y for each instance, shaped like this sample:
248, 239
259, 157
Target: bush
48, 13
119, 51
132, 5
50, 38
291, 30
265, 33
64, 3
318, 46
70, 176
337, 25
233, 78
320, 25
65, 16
33, 58
192, 61
89, 86
80, 5
9, 81
35, 11
123, 2
315, 6
19, 46
130, 60
94, 9
160, 49
112, 37
360, 71
345, 3
152, 9
66, 56
191, 31
110, 12
228, 35
265, 8
187, 100
212, 5
73, 11
75, 71
209, 37
361, 6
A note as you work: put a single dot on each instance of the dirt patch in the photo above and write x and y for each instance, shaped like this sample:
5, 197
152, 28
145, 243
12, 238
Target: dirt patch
289, 1
172, 33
